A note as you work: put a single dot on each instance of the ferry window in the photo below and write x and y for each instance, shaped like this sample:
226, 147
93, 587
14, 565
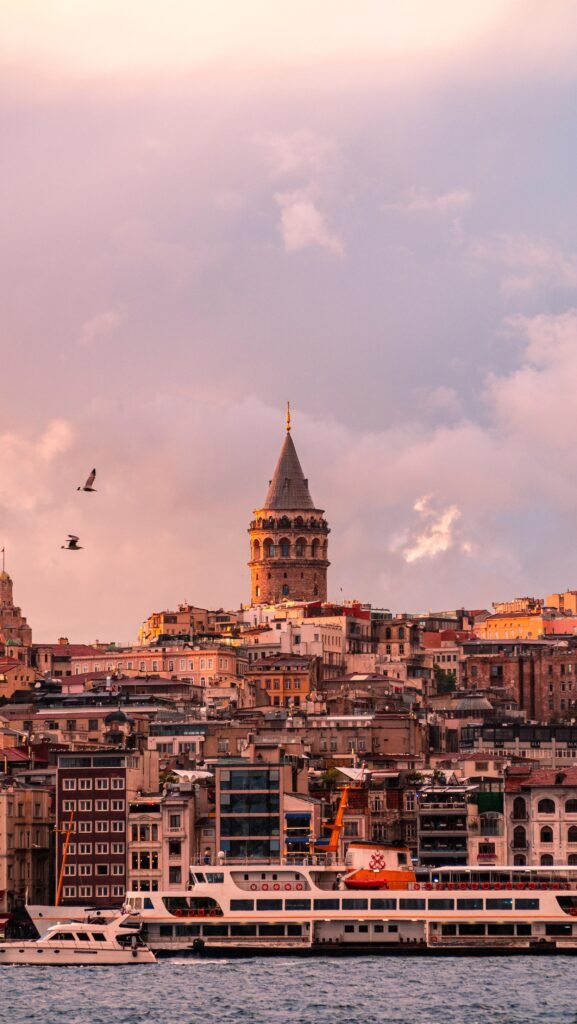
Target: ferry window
500, 904
98, 937
393, 927
269, 904
500, 929
383, 904
558, 929
526, 904
293, 929
441, 904
326, 904
148, 904
473, 904
215, 877
242, 929
83, 936
242, 904
363, 927
349, 928
297, 904
379, 928
524, 929
271, 929
412, 904
355, 904
449, 929
471, 929
199, 877
165, 931
215, 929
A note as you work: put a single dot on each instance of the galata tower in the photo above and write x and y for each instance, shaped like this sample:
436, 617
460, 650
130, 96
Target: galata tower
288, 536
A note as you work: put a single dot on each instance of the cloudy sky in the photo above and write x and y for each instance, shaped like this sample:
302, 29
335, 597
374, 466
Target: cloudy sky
367, 208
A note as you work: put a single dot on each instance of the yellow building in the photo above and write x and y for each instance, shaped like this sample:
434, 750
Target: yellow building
510, 626
187, 620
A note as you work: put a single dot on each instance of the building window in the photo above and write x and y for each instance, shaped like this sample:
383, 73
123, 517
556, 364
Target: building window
175, 876
101, 783
68, 784
546, 834
117, 783
85, 784
546, 807
85, 805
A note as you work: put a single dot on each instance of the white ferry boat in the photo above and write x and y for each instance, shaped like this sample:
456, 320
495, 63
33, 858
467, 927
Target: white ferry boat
375, 902
81, 944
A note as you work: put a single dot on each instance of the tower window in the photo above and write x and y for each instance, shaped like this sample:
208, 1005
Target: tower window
285, 589
258, 591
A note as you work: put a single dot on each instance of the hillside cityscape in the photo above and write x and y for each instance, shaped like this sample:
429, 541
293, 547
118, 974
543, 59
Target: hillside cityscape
453, 731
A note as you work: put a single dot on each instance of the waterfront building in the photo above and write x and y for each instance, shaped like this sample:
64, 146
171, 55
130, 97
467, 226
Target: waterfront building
93, 790
541, 816
288, 537
442, 825
26, 823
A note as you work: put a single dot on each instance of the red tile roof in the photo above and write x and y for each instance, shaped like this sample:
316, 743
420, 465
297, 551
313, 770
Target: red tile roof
542, 777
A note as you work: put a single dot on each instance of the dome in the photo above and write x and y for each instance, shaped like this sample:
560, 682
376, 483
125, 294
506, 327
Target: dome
117, 716
474, 704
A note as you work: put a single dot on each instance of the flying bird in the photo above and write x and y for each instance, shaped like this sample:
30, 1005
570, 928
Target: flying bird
88, 485
72, 543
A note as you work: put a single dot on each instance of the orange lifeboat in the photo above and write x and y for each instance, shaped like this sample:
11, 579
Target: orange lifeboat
364, 878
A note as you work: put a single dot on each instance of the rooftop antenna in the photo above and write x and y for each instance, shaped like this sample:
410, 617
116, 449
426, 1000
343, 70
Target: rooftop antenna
3, 560
288, 417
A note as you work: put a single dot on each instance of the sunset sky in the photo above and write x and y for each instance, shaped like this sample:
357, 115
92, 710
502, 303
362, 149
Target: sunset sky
368, 209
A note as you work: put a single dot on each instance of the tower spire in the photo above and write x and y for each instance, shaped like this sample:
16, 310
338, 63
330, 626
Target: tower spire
288, 417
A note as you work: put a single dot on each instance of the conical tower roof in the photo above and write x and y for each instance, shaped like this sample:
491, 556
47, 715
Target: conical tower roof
288, 489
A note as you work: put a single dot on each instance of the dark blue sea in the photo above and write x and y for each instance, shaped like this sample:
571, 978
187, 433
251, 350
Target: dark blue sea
375, 990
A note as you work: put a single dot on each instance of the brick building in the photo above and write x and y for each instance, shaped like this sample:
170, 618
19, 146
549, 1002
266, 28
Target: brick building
93, 789
540, 676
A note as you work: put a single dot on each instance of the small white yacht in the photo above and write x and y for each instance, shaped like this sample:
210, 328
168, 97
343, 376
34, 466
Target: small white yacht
82, 944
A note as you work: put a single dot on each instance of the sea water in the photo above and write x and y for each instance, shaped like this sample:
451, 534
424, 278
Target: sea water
371, 990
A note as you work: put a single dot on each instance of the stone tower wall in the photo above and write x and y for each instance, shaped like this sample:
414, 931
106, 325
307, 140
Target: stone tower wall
288, 556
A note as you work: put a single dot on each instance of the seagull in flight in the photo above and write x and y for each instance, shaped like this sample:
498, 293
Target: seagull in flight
72, 543
88, 485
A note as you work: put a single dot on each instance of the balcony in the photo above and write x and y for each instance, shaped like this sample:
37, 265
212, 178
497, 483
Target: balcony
519, 816
520, 844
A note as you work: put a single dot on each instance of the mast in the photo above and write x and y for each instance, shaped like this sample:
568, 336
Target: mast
67, 832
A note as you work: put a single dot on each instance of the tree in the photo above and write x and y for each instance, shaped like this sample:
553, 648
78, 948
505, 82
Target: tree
445, 681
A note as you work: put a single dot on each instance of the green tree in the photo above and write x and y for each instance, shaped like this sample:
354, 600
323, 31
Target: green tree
445, 681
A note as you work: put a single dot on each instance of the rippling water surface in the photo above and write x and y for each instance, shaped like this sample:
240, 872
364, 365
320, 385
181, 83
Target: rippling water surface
344, 991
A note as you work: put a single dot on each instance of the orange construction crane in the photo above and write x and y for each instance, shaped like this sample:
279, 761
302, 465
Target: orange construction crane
331, 845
